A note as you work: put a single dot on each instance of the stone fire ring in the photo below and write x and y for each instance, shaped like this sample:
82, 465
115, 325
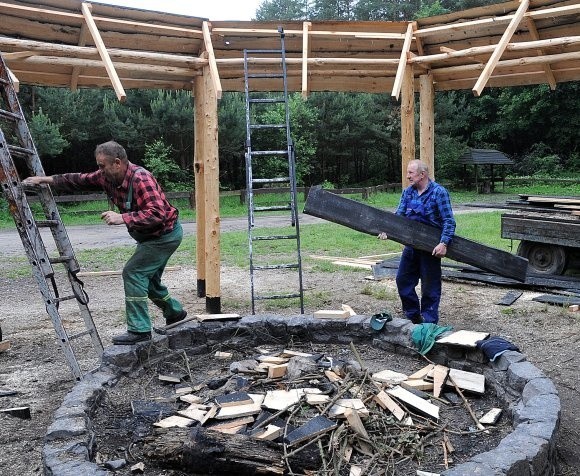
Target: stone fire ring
530, 397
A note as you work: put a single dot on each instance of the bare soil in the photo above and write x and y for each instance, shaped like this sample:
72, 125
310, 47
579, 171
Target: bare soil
35, 367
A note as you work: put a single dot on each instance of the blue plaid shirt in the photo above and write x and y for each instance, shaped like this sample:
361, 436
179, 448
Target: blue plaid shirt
432, 207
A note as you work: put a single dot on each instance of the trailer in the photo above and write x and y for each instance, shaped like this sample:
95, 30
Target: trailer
549, 240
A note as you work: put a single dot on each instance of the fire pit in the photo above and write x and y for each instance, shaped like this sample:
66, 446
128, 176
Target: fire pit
96, 424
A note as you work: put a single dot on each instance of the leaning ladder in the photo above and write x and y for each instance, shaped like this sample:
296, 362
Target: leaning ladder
270, 161
18, 152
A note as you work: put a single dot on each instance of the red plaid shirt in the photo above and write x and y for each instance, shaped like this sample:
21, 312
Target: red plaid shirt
149, 211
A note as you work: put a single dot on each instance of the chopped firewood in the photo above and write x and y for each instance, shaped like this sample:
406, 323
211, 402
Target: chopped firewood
347, 308
232, 399
223, 355
237, 411
420, 374
491, 417
193, 413
317, 426
463, 338
217, 317
417, 385
169, 378
174, 420
314, 399
348, 453
412, 400
190, 398
281, 399
341, 405
270, 433
356, 470
386, 402
4, 345
293, 353
332, 376
331, 314
18, 412
390, 377
469, 381
236, 422
355, 423
440, 373
277, 371
209, 415
270, 359
183, 390
138, 467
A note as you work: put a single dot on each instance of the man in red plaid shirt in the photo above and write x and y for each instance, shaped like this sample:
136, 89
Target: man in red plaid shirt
150, 219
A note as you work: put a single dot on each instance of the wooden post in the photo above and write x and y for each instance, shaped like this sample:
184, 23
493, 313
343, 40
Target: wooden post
198, 164
212, 194
407, 122
427, 122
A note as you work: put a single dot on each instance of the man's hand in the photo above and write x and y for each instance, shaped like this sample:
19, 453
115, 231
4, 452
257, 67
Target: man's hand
383, 236
112, 218
36, 180
440, 250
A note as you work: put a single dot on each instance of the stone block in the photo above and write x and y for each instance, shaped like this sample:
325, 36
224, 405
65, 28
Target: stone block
472, 469
506, 359
542, 408
67, 428
537, 387
520, 373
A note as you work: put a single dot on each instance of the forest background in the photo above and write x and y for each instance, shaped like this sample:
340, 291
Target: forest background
341, 139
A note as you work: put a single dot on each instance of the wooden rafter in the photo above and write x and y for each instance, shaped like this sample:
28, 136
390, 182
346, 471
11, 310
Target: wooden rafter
500, 48
77, 69
215, 76
113, 76
547, 69
402, 62
305, 53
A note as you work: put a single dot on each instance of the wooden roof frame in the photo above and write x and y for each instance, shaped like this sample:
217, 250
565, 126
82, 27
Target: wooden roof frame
75, 44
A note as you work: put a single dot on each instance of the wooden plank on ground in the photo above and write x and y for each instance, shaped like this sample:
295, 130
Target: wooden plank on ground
175, 420
420, 374
387, 403
509, 298
491, 417
557, 299
192, 413
463, 338
469, 381
389, 376
417, 384
311, 429
342, 404
440, 373
418, 403
331, 314
367, 219
233, 399
238, 411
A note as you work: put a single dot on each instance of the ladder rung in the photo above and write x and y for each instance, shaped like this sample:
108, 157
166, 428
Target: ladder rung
274, 237
277, 296
276, 266
78, 335
47, 223
10, 115
61, 259
266, 100
20, 151
272, 208
268, 152
265, 75
267, 126
263, 51
65, 298
271, 180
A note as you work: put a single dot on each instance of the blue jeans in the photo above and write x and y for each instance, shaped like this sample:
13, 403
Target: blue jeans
415, 265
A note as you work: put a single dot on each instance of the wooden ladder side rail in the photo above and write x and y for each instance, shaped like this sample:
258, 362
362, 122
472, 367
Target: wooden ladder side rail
370, 220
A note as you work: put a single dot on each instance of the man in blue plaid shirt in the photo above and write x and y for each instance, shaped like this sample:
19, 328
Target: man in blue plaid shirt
427, 202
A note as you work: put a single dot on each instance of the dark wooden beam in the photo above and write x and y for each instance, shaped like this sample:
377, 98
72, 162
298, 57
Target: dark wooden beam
373, 221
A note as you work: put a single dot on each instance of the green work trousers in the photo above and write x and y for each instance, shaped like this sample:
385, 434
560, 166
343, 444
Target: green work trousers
142, 279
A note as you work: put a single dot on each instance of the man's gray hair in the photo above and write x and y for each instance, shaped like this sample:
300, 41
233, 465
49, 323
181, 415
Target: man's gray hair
421, 166
111, 150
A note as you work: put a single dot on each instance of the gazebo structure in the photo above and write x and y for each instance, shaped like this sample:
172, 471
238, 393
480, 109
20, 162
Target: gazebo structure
483, 158
75, 44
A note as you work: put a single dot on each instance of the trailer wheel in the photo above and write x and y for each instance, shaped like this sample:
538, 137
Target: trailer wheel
544, 258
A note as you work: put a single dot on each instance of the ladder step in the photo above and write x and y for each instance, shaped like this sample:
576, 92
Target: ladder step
20, 151
263, 51
64, 298
79, 335
267, 126
47, 223
271, 180
265, 75
61, 259
274, 237
276, 266
10, 115
268, 152
273, 208
277, 296
266, 100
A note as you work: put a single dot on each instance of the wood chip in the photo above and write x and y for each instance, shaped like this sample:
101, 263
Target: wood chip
174, 421
491, 417
4, 345
339, 408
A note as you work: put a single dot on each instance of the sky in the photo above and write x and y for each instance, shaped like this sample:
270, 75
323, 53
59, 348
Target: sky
212, 9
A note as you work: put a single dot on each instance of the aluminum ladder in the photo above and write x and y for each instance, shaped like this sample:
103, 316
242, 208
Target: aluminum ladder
18, 155
270, 161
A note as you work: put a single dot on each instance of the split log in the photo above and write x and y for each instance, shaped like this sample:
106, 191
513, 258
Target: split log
367, 219
201, 451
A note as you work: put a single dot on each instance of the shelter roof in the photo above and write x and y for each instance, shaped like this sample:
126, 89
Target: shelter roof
484, 157
79, 44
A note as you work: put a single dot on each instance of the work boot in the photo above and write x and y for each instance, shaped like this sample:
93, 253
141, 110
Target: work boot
176, 318
418, 319
131, 338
